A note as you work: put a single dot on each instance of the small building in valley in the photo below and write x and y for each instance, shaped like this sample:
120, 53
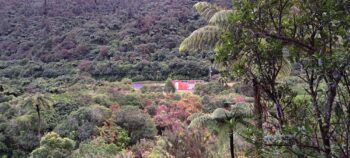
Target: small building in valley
186, 85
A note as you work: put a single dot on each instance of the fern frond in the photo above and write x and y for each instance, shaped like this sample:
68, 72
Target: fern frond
204, 38
221, 114
206, 10
200, 121
286, 69
221, 19
195, 115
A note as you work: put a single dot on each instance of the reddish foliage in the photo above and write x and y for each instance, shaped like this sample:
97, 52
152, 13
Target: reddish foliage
114, 107
104, 51
240, 99
191, 104
85, 65
169, 117
147, 22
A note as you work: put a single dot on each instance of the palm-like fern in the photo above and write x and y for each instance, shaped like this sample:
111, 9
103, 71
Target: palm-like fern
206, 9
38, 102
225, 120
208, 36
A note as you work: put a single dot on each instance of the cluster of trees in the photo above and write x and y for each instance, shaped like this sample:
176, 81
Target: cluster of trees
107, 69
91, 118
259, 41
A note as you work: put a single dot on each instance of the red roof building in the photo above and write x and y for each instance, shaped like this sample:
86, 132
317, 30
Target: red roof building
185, 85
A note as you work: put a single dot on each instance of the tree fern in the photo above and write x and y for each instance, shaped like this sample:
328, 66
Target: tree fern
207, 37
285, 70
200, 120
224, 122
206, 10
221, 19
204, 38
38, 102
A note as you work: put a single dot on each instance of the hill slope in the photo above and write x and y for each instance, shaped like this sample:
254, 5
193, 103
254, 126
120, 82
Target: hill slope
104, 33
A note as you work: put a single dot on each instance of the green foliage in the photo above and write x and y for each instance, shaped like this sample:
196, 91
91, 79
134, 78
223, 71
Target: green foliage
210, 88
130, 99
52, 145
188, 143
126, 81
206, 9
138, 123
169, 87
204, 38
96, 148
82, 124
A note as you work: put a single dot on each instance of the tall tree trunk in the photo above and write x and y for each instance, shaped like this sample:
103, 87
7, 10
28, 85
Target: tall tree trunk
258, 109
232, 147
258, 113
39, 121
331, 94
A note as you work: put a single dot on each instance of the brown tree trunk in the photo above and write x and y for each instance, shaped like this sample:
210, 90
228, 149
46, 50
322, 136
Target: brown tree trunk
332, 92
232, 147
258, 113
39, 121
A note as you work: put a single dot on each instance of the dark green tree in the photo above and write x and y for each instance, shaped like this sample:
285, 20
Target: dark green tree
312, 34
52, 145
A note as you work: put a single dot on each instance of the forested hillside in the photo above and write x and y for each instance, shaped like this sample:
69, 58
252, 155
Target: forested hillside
109, 39
174, 78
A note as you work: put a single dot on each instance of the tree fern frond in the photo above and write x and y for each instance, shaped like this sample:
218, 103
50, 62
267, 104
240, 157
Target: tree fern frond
195, 115
221, 19
206, 10
221, 114
286, 69
202, 39
200, 121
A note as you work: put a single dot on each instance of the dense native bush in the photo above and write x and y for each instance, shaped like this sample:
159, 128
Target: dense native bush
64, 109
52, 145
82, 124
138, 123
151, 88
28, 69
143, 148
96, 148
111, 140
21, 135
106, 30
210, 88
190, 144
106, 69
130, 99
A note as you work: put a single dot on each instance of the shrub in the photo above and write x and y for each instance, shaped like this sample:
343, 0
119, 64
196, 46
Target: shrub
143, 148
169, 87
96, 148
128, 99
138, 123
209, 88
113, 134
190, 143
170, 118
126, 81
52, 145
82, 124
